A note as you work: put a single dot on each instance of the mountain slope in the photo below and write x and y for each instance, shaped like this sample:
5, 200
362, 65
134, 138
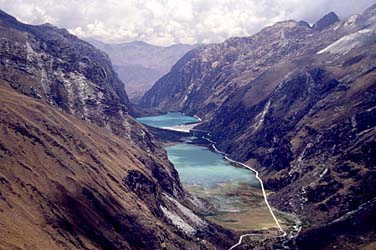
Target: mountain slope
292, 101
209, 74
65, 184
206, 76
139, 64
77, 171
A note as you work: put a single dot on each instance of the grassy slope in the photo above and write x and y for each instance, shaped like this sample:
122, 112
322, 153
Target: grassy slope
61, 183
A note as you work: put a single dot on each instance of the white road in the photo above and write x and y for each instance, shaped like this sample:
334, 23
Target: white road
187, 129
263, 192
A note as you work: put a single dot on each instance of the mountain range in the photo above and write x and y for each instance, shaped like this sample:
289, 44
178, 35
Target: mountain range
139, 64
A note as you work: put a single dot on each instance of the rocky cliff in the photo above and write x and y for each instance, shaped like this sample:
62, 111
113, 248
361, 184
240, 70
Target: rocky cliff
326, 21
205, 77
77, 172
297, 103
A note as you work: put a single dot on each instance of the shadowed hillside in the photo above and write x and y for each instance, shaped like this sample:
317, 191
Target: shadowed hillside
76, 170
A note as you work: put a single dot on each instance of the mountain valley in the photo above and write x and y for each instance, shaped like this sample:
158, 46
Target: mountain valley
293, 106
298, 104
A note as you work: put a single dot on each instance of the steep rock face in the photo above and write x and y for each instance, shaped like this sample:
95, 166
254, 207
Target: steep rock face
299, 117
206, 76
354, 230
302, 137
203, 79
139, 64
50, 64
77, 171
326, 21
268, 121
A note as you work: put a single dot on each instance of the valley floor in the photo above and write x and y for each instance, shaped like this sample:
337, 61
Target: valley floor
240, 208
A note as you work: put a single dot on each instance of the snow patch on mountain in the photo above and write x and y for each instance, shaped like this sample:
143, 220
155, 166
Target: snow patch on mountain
351, 41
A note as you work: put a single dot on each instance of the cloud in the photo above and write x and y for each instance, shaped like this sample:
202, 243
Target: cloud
166, 22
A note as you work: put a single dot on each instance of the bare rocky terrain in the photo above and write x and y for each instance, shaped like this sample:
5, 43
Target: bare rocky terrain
297, 103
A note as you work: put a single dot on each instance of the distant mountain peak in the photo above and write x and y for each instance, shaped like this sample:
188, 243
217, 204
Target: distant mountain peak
140, 64
285, 24
140, 43
326, 21
304, 24
48, 25
372, 8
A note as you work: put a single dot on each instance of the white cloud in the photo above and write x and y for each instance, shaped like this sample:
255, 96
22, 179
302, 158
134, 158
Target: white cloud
166, 22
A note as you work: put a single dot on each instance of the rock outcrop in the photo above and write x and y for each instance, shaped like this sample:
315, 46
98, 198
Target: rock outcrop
326, 21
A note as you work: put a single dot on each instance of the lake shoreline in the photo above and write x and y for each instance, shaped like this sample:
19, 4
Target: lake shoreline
238, 213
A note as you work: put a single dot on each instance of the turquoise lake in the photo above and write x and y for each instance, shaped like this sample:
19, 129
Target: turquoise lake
199, 166
168, 120
234, 194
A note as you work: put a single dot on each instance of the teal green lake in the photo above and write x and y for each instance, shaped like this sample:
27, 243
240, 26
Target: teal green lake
198, 166
168, 120
233, 193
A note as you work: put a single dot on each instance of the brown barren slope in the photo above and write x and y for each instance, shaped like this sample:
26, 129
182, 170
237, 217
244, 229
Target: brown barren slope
67, 184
